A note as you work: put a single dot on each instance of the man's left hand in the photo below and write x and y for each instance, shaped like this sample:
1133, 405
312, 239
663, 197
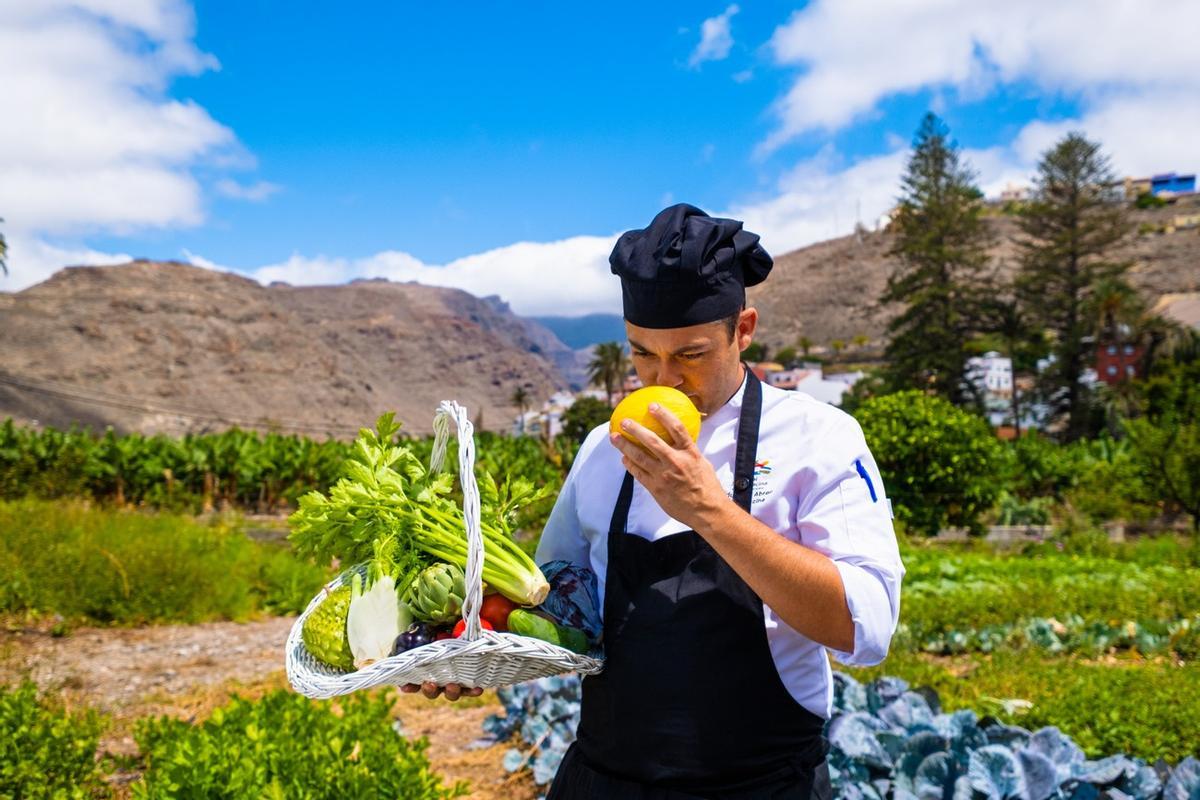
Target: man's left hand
676, 473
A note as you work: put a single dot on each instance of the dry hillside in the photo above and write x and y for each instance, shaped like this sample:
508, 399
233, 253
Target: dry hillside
828, 290
169, 347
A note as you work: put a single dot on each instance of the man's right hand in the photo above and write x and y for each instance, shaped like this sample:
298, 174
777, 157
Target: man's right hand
431, 690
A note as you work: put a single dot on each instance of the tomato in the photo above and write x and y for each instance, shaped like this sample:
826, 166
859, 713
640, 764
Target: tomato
495, 609
443, 635
461, 627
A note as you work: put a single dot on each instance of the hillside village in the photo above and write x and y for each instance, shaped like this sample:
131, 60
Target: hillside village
1169, 206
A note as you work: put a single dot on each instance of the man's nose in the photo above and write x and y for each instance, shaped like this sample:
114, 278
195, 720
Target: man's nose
669, 375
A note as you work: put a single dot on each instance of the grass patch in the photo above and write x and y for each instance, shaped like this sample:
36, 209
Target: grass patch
130, 568
1139, 708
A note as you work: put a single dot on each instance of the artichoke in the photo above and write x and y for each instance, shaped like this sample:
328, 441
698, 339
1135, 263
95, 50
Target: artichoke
436, 594
324, 630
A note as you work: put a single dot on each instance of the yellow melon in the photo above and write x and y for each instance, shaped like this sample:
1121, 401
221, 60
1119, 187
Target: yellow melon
636, 406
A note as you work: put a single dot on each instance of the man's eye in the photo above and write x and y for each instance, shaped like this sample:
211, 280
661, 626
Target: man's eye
637, 354
692, 356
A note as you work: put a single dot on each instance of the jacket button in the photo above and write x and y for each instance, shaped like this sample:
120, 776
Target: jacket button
741, 484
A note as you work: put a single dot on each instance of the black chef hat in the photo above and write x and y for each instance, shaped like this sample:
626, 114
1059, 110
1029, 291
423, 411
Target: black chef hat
687, 268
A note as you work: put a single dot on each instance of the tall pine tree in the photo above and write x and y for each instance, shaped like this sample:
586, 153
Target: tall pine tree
1067, 277
941, 246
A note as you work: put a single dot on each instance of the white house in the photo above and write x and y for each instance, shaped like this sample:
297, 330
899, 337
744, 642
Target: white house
992, 373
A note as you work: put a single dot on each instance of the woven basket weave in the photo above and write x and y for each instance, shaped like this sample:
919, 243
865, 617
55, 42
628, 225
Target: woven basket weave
480, 657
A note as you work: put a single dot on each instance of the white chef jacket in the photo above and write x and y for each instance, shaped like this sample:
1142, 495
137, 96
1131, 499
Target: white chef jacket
815, 482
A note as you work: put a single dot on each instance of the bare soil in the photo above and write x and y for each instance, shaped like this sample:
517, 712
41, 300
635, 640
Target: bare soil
188, 670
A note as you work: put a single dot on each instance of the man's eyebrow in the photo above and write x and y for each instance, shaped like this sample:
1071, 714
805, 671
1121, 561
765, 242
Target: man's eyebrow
696, 345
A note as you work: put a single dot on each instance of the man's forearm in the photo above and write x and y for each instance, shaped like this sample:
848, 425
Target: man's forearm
802, 586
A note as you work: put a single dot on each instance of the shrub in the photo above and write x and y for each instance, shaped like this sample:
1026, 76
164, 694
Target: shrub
1148, 200
285, 746
940, 464
46, 751
1165, 443
584, 415
125, 567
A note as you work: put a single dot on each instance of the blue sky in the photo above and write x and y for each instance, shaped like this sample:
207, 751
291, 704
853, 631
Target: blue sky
489, 146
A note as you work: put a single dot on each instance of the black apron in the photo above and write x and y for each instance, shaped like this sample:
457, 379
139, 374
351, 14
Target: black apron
690, 703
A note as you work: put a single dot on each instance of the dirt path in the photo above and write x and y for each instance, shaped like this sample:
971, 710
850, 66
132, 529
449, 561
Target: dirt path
187, 670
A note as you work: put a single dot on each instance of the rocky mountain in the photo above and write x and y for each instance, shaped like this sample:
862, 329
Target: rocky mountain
163, 346
828, 290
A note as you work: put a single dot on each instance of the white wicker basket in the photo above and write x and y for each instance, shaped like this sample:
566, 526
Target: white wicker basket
480, 657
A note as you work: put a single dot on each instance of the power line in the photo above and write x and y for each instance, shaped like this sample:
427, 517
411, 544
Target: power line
98, 398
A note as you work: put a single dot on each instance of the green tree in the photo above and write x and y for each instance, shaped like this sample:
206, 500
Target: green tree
940, 243
786, 356
1069, 229
1165, 441
583, 416
837, 346
3, 252
608, 367
805, 344
520, 399
755, 352
938, 462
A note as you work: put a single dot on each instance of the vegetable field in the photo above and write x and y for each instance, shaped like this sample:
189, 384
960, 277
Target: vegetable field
109, 538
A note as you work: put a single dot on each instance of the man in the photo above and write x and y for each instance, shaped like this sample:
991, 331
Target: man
726, 566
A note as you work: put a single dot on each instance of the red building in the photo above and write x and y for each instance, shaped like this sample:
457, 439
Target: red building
1119, 362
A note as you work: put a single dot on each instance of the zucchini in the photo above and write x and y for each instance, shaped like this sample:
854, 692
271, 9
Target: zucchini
526, 623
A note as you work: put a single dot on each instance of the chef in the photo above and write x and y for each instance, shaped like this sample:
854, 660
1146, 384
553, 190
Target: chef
727, 566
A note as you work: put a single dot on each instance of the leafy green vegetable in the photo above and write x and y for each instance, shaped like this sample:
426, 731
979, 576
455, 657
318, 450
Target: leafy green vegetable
285, 746
386, 490
46, 750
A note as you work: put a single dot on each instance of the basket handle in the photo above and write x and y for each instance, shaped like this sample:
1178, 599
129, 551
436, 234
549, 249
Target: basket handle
448, 412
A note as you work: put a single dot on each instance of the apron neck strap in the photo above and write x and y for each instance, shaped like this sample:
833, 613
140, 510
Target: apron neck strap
747, 441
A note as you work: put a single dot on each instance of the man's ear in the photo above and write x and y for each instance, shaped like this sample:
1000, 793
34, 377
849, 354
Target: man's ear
747, 324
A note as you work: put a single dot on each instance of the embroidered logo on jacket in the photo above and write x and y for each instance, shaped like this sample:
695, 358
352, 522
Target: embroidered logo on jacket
762, 483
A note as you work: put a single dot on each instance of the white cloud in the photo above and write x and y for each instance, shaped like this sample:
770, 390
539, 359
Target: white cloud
566, 277
255, 192
715, 38
854, 53
1144, 132
90, 140
819, 199
32, 260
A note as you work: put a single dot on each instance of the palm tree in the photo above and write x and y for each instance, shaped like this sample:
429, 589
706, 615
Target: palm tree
838, 345
608, 367
3, 252
805, 345
520, 399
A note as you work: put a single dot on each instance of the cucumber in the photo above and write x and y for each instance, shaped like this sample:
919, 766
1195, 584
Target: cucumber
526, 623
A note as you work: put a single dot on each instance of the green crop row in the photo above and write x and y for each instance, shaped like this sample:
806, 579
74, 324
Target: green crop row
233, 469
1150, 581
